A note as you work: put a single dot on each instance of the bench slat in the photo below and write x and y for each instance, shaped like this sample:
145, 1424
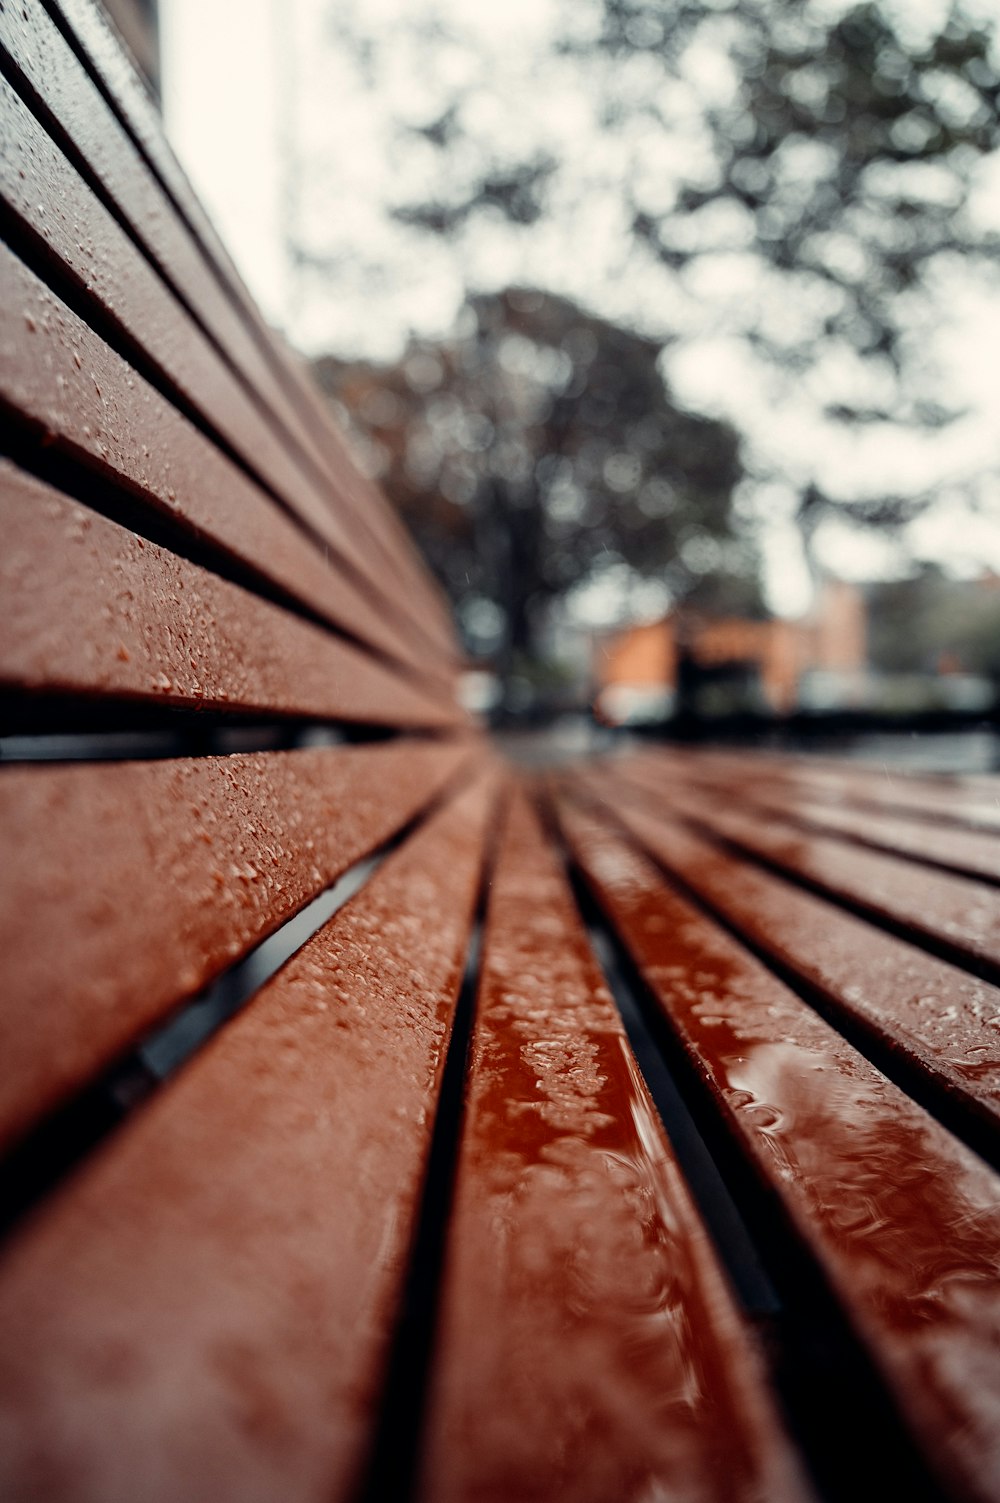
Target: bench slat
940, 1019
207, 1307
908, 797
78, 233
969, 852
589, 1349
91, 608
47, 63
956, 914
126, 887
58, 80
100, 44
904, 1220
142, 120
954, 800
62, 378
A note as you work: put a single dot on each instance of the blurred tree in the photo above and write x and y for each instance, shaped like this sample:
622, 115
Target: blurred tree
931, 622
537, 449
836, 145
844, 152
802, 177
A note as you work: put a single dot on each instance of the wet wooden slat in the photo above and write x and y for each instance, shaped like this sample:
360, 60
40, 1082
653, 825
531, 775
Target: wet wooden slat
208, 1305
939, 1019
46, 62
967, 852
56, 77
944, 798
435, 614
61, 378
100, 45
91, 608
126, 887
958, 915
588, 1348
903, 1219
74, 229
142, 120
930, 800
796, 793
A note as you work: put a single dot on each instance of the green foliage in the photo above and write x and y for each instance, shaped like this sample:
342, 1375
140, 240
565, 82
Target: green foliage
930, 621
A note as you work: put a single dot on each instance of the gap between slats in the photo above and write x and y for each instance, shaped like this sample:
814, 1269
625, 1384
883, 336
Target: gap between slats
51, 1151
962, 1118
101, 494
824, 1380
82, 731
294, 389
30, 96
391, 1470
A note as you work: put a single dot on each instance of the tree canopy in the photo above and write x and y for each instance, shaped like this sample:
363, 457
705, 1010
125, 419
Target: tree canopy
538, 448
791, 202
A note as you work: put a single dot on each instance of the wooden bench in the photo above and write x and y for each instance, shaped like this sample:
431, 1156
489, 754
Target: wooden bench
378, 1122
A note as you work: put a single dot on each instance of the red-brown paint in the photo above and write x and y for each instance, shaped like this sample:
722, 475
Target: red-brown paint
589, 1349
91, 608
127, 886
53, 71
55, 206
904, 1219
955, 912
204, 1312
63, 380
939, 1018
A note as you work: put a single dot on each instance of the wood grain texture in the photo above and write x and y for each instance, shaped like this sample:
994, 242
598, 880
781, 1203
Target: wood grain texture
589, 1349
205, 1311
126, 887
903, 1219
89, 608
85, 401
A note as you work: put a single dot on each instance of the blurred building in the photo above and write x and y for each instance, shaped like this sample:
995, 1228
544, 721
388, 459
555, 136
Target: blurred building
926, 643
727, 664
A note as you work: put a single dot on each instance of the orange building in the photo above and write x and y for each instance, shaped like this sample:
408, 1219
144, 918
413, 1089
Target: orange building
633, 665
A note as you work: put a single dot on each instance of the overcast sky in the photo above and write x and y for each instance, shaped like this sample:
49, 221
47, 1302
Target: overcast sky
289, 92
